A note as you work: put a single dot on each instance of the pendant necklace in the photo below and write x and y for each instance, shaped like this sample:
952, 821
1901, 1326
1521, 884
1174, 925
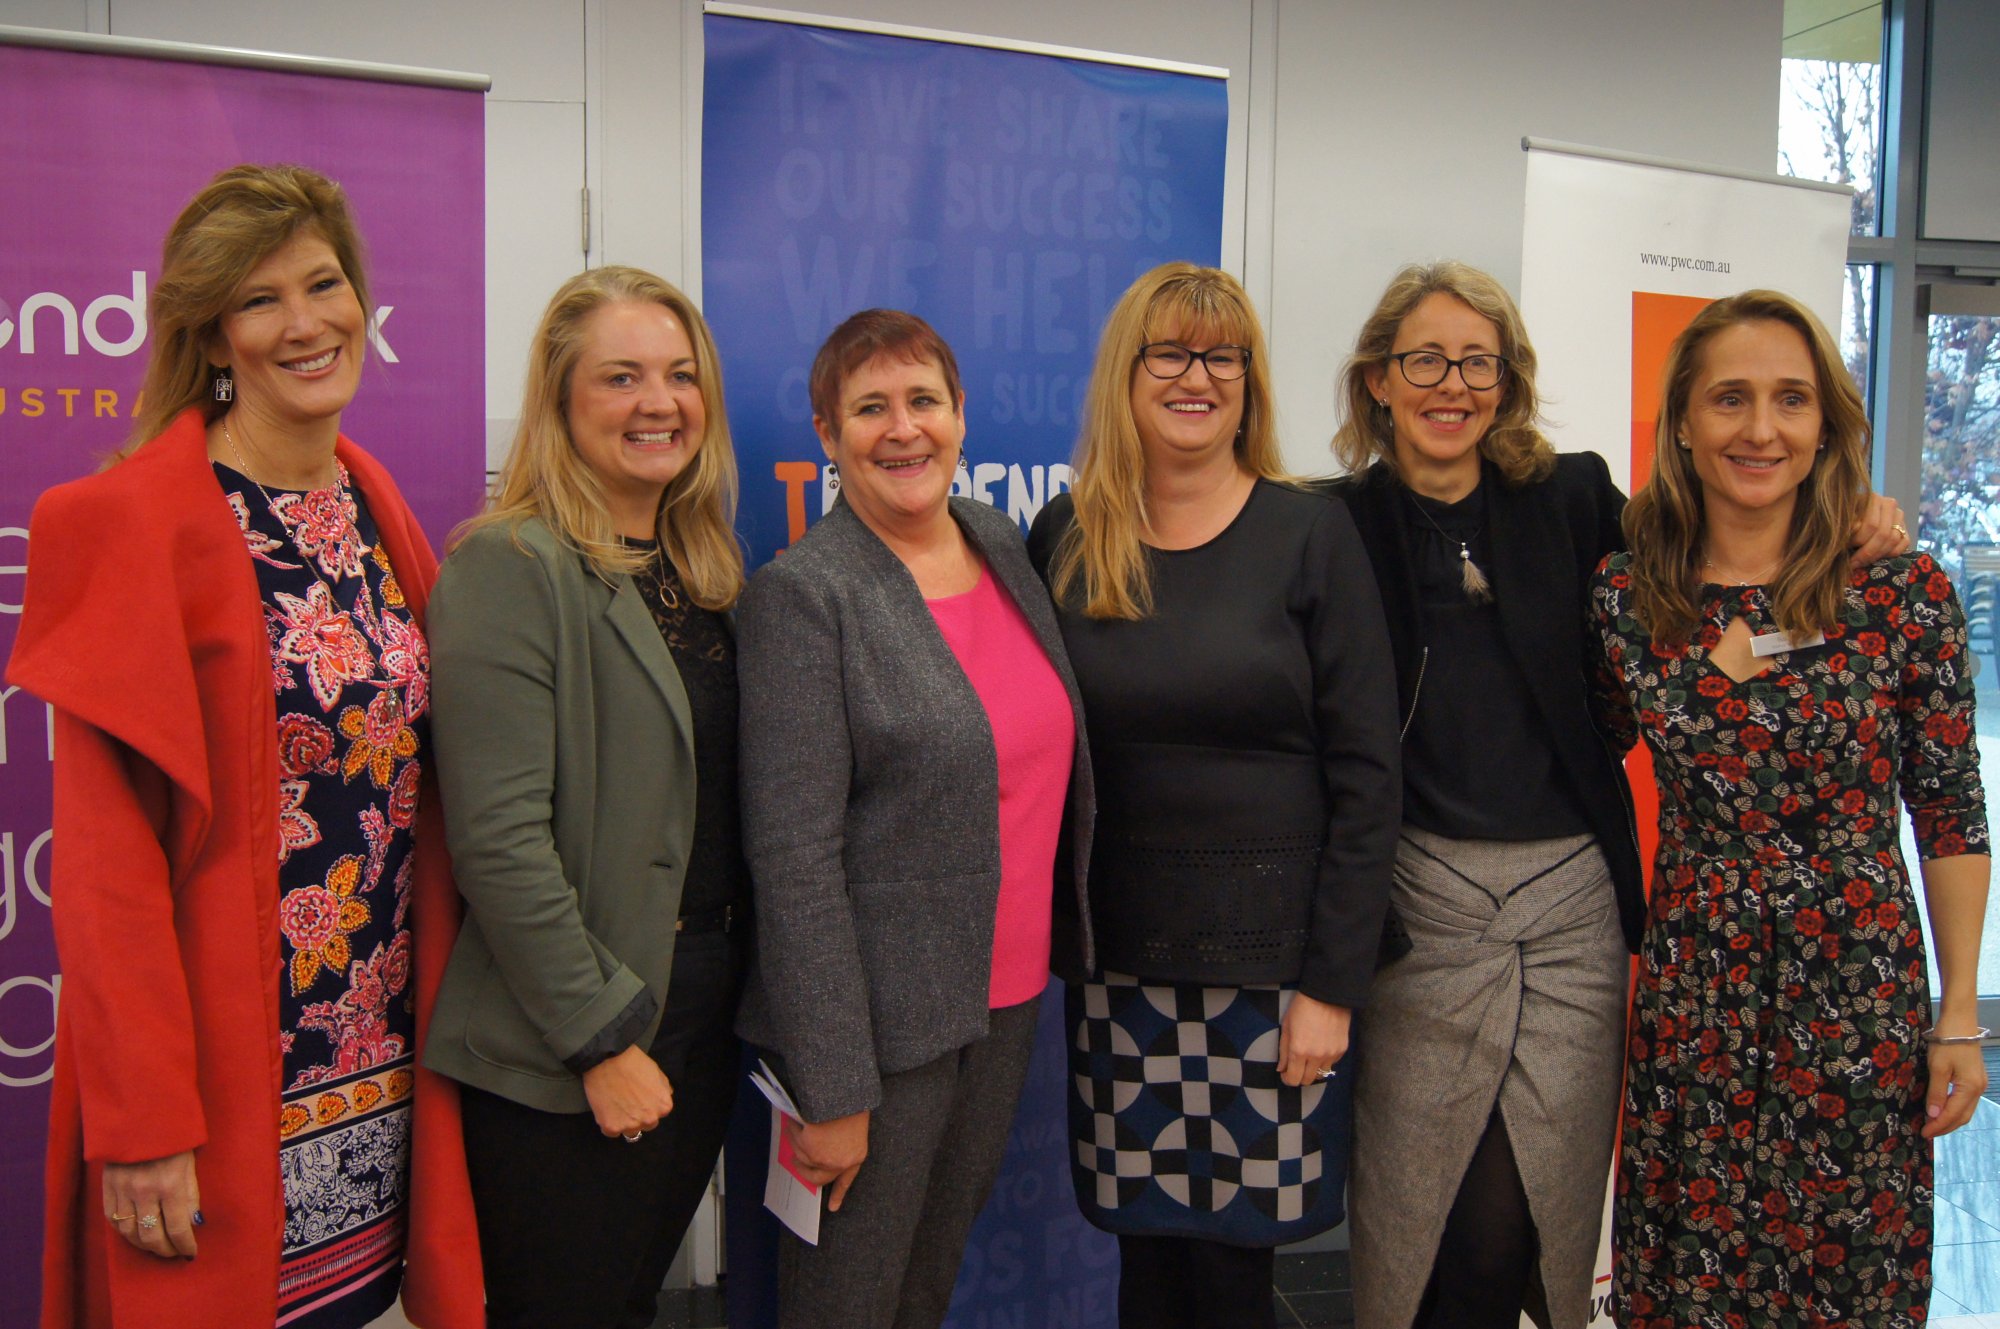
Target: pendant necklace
657, 569
1471, 577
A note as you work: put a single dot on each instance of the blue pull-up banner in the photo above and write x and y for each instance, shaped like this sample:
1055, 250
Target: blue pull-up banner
1009, 198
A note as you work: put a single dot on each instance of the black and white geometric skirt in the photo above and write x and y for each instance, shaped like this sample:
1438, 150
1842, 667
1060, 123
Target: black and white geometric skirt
1181, 1125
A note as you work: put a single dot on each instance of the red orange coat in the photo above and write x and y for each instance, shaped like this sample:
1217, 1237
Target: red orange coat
143, 628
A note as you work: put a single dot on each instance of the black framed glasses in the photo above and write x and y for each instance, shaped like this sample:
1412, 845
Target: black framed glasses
1170, 359
1426, 369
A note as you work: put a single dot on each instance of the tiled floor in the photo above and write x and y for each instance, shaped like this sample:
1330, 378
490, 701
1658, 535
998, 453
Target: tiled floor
1312, 1290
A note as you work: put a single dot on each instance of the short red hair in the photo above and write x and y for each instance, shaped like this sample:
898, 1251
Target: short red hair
872, 332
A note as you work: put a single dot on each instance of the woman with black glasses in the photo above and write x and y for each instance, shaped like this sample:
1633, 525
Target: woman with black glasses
1240, 704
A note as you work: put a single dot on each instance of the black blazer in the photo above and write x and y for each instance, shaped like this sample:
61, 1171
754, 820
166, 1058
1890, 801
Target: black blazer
1546, 538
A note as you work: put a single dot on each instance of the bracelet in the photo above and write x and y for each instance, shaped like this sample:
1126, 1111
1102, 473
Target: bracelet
1934, 1038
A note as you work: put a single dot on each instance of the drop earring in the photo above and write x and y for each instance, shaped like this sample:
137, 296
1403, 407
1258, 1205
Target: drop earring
225, 386
833, 476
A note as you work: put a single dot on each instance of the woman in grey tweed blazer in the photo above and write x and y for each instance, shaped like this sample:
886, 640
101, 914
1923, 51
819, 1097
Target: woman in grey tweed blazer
877, 746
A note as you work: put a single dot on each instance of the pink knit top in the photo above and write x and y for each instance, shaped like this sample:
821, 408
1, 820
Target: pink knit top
1034, 735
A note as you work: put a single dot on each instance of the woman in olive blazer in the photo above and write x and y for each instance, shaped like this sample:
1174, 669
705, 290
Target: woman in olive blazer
585, 716
565, 926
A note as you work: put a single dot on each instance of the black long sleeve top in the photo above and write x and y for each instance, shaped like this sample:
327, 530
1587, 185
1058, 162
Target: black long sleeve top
1244, 737
1479, 761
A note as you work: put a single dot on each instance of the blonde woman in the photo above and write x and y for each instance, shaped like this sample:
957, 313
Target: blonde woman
1240, 702
586, 725
1787, 1071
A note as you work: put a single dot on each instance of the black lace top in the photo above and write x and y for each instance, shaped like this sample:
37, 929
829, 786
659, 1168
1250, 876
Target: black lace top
704, 651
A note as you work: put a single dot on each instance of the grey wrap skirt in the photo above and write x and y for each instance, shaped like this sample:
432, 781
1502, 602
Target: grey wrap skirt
1514, 992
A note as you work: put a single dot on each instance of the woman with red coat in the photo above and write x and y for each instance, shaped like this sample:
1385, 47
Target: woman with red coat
252, 903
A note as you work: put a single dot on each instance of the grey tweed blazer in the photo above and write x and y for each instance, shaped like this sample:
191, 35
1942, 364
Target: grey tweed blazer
871, 805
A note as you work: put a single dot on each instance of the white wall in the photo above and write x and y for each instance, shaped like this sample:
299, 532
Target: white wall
1363, 133
1398, 140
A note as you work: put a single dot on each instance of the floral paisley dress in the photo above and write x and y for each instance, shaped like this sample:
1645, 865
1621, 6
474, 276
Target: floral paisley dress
352, 676
1771, 1171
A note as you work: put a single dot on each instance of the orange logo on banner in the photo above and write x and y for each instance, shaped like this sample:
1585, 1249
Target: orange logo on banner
1656, 320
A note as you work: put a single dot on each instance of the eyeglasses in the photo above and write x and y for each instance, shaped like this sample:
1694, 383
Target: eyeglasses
1167, 359
1427, 369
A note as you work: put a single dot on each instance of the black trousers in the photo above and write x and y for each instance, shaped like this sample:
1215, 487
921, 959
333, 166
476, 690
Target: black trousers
1189, 1283
576, 1229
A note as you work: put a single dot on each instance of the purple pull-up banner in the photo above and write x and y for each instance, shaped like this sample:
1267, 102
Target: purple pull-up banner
99, 155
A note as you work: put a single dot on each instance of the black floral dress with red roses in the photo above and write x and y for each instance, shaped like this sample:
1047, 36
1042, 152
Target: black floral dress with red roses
352, 677
1771, 1172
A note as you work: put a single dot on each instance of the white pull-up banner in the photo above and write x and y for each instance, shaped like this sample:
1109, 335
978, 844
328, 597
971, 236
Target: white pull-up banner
1618, 253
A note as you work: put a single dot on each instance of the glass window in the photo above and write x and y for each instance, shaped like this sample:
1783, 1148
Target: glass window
1857, 328
1959, 512
1958, 521
1830, 99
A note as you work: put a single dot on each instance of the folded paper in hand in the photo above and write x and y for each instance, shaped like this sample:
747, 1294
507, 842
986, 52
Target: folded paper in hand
786, 1191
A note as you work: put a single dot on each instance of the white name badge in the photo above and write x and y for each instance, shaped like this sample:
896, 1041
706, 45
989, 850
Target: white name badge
1777, 643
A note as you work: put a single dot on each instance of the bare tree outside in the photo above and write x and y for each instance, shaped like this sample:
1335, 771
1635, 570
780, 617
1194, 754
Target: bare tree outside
1829, 128
1959, 515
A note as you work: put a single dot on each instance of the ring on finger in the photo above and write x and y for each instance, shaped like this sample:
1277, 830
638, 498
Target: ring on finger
632, 1137
147, 1222
1327, 1074
119, 1218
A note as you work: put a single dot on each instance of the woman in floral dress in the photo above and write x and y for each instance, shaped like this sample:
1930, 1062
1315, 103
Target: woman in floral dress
252, 899
1785, 1078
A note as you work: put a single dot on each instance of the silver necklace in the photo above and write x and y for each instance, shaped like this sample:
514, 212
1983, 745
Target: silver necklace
1732, 578
361, 614
1471, 577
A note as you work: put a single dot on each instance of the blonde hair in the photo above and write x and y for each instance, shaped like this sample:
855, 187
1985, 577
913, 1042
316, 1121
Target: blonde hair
1663, 522
239, 219
1512, 443
544, 476
1103, 548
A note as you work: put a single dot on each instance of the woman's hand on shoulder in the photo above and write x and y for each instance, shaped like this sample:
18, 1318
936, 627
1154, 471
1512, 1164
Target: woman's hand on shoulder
830, 1152
1880, 533
162, 1190
1312, 1039
629, 1094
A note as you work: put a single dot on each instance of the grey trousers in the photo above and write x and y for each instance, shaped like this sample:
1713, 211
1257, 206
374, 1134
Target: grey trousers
889, 1258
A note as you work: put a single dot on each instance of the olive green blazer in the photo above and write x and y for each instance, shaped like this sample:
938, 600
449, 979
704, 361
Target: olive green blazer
565, 753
